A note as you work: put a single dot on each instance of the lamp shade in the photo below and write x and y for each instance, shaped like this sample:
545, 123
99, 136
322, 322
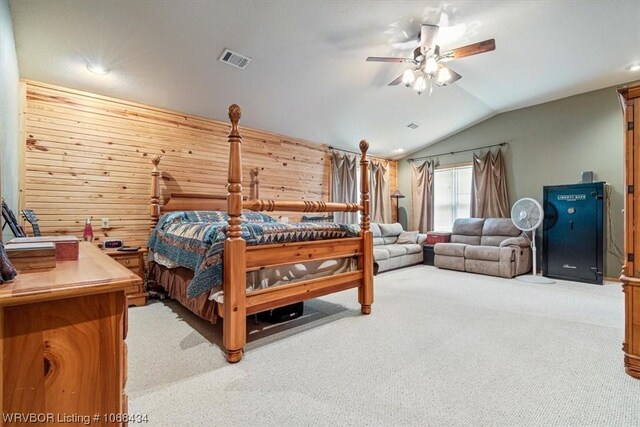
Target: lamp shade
397, 195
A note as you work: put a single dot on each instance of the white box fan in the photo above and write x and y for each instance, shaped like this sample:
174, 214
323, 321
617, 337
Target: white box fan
527, 214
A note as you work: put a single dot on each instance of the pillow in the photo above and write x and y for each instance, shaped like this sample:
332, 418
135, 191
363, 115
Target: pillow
407, 237
390, 230
375, 229
206, 216
249, 216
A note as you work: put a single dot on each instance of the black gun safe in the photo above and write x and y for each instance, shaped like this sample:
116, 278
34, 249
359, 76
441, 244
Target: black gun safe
573, 232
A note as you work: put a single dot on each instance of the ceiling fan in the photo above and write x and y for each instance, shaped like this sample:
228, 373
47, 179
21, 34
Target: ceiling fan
427, 61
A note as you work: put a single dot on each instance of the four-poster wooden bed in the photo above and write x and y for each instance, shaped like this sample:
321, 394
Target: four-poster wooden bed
240, 259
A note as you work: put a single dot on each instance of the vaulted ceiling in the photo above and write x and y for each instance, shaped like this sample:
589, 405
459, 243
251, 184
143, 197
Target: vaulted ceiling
308, 77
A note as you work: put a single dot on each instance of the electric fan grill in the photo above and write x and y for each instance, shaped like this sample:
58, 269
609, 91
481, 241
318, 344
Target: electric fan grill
527, 215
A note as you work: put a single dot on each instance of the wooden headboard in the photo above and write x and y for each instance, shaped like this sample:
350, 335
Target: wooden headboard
191, 201
195, 202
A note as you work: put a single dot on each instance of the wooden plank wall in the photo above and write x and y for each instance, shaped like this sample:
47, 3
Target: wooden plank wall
87, 155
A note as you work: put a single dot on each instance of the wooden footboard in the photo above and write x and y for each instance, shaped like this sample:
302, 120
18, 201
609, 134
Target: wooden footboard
239, 259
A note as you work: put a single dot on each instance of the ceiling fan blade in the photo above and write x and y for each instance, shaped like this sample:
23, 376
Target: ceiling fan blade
469, 50
388, 59
454, 77
397, 81
428, 35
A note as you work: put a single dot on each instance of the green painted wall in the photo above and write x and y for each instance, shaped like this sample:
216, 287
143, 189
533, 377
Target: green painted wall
549, 144
9, 107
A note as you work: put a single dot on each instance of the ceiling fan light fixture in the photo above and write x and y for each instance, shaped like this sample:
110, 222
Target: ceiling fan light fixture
408, 77
427, 68
431, 66
420, 85
443, 77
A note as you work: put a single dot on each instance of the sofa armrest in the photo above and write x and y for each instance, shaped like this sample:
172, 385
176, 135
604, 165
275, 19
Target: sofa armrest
522, 242
422, 238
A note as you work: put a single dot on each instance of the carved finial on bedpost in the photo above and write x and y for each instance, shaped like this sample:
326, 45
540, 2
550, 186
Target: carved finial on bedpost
234, 115
154, 208
255, 184
234, 199
364, 185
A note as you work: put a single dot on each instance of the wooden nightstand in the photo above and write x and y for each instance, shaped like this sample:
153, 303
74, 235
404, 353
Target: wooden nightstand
134, 261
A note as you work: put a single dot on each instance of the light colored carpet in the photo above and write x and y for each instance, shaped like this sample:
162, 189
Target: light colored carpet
440, 348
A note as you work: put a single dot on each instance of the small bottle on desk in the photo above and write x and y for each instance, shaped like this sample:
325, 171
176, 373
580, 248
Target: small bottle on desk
87, 235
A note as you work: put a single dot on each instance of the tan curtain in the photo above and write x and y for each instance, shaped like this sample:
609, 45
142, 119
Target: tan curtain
380, 194
489, 187
344, 185
422, 196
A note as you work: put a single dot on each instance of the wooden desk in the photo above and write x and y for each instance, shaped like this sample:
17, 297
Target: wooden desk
62, 338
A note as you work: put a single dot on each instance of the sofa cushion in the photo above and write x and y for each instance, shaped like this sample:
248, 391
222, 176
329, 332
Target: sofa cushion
468, 226
497, 230
396, 250
500, 227
449, 249
449, 262
389, 230
482, 266
380, 254
486, 253
412, 248
389, 240
493, 240
375, 229
407, 237
378, 241
467, 240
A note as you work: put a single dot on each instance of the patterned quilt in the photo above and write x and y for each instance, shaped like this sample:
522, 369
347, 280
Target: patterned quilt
195, 240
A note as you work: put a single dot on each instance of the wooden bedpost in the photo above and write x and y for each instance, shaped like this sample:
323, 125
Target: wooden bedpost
234, 326
154, 208
254, 190
365, 291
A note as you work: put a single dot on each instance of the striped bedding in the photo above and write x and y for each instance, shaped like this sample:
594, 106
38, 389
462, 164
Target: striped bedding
195, 240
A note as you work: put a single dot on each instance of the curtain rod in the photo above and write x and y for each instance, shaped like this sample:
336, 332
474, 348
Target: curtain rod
359, 154
459, 151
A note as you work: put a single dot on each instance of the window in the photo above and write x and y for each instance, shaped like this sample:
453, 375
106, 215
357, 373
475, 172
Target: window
451, 195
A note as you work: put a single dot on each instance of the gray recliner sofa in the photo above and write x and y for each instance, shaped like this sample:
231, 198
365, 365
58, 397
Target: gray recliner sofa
395, 248
491, 246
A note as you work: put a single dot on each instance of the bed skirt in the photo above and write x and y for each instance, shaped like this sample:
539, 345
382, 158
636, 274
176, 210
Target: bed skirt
175, 282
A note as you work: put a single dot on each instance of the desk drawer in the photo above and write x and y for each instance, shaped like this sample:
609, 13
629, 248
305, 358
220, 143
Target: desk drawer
129, 262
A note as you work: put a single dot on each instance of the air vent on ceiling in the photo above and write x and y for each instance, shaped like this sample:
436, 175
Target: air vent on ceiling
413, 125
234, 59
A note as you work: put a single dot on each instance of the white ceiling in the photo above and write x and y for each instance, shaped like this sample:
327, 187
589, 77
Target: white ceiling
309, 78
